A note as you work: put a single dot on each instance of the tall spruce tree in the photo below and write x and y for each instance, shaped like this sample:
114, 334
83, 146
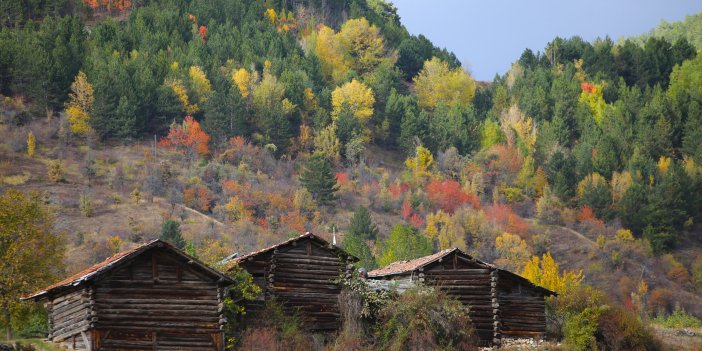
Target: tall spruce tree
362, 225
170, 232
319, 179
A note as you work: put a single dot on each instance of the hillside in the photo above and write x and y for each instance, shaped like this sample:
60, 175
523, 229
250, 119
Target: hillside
689, 29
243, 123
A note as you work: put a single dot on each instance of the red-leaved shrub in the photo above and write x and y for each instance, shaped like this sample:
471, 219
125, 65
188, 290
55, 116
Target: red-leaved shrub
449, 196
503, 216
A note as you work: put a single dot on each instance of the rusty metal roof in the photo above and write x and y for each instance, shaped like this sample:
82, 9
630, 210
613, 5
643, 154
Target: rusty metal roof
290, 241
110, 263
401, 267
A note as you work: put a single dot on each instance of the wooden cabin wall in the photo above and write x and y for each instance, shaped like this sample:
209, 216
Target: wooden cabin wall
522, 309
470, 284
259, 268
302, 278
69, 314
158, 303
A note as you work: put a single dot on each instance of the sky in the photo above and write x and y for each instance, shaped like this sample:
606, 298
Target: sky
488, 35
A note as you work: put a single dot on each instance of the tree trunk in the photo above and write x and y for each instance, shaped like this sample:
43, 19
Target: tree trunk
8, 328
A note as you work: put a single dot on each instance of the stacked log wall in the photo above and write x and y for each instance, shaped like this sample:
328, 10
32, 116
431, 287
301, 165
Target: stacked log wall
69, 318
158, 303
522, 309
302, 277
259, 268
471, 286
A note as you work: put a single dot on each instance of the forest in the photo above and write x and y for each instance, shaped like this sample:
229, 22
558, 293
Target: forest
230, 125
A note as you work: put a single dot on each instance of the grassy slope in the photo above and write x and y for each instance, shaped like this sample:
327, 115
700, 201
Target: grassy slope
116, 214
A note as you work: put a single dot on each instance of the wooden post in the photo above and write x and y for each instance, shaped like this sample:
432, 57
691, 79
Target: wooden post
86, 342
271, 274
349, 268
96, 339
494, 293
49, 311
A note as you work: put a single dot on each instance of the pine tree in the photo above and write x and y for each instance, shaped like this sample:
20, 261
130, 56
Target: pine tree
354, 245
170, 232
319, 179
362, 225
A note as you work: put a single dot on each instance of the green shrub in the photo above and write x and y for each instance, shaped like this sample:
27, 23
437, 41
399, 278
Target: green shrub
679, 319
425, 319
86, 205
36, 323
55, 172
279, 330
696, 271
587, 320
579, 329
619, 329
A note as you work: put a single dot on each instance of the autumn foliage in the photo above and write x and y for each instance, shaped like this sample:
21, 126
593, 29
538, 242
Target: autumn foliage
202, 32
187, 138
449, 196
197, 197
503, 216
342, 178
397, 189
119, 5
586, 215
589, 88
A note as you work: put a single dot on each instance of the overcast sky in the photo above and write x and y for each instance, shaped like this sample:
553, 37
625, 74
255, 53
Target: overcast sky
488, 35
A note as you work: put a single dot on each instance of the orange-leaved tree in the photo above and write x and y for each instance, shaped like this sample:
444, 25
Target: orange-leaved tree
119, 5
449, 196
187, 138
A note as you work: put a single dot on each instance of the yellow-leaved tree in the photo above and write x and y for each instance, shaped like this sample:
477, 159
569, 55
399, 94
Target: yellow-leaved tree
513, 251
362, 45
26, 234
440, 228
331, 57
621, 182
182, 94
31, 144
438, 84
269, 92
80, 104
244, 81
421, 164
545, 272
327, 143
592, 180
358, 46
663, 164
355, 97
200, 84
591, 95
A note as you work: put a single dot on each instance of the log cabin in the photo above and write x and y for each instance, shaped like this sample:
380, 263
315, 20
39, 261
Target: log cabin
501, 303
301, 274
153, 297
